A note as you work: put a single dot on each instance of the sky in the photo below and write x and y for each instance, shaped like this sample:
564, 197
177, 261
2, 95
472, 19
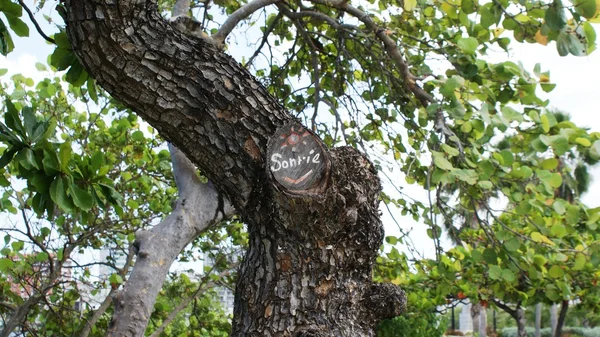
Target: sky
577, 92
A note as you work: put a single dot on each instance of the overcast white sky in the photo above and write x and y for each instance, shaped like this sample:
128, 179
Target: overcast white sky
577, 92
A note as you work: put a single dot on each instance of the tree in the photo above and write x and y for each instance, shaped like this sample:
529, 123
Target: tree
314, 230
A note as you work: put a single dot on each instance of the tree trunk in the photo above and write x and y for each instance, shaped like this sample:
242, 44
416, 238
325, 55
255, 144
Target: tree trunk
553, 318
521, 323
483, 322
312, 214
561, 318
475, 310
538, 320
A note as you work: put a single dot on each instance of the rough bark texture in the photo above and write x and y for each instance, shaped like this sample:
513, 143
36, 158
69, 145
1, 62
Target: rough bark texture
308, 268
521, 322
475, 309
483, 322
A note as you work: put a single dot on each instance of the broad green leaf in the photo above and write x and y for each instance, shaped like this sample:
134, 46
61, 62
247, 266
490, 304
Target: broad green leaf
17, 25
42, 257
556, 272
508, 275
583, 141
58, 194
81, 198
495, 272
549, 164
64, 155
580, 261
6, 265
115, 279
442, 163
587, 8
512, 244
468, 45
558, 231
410, 5
559, 207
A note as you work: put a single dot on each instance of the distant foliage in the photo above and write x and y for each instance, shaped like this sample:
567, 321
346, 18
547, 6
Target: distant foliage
547, 332
413, 325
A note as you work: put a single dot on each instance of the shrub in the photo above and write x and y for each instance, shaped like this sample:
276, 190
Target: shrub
412, 325
547, 332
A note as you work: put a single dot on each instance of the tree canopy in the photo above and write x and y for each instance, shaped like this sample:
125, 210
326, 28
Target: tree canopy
408, 83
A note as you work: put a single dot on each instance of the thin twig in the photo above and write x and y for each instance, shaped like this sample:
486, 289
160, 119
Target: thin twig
37, 26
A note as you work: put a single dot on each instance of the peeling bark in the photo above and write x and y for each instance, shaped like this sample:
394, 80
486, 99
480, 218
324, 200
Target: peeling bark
308, 268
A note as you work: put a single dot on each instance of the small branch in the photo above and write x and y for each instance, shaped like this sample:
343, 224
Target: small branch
237, 16
392, 49
35, 23
268, 32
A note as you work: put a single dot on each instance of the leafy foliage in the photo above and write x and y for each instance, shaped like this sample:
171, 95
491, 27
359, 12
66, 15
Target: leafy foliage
415, 325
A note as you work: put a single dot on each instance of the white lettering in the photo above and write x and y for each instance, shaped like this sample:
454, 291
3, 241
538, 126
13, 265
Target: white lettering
278, 162
274, 158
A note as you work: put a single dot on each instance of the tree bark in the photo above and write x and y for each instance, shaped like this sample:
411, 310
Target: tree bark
554, 318
308, 268
483, 322
538, 320
562, 316
521, 322
475, 309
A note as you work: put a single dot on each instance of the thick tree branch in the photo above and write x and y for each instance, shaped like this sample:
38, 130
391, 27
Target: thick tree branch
311, 250
237, 16
198, 207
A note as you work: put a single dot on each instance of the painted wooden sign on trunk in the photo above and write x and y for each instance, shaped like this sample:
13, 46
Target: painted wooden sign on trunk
297, 160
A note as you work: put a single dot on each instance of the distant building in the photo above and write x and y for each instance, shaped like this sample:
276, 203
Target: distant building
224, 295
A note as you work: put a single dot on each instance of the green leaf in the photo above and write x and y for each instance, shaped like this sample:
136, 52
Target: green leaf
549, 164
556, 272
82, 198
11, 8
583, 141
559, 207
508, 275
115, 279
58, 194
587, 8
111, 194
442, 162
495, 272
6, 265
7, 156
64, 154
558, 231
410, 5
468, 45
30, 120
6, 43
42, 257
512, 245
17, 25
555, 16
580, 261
485, 184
